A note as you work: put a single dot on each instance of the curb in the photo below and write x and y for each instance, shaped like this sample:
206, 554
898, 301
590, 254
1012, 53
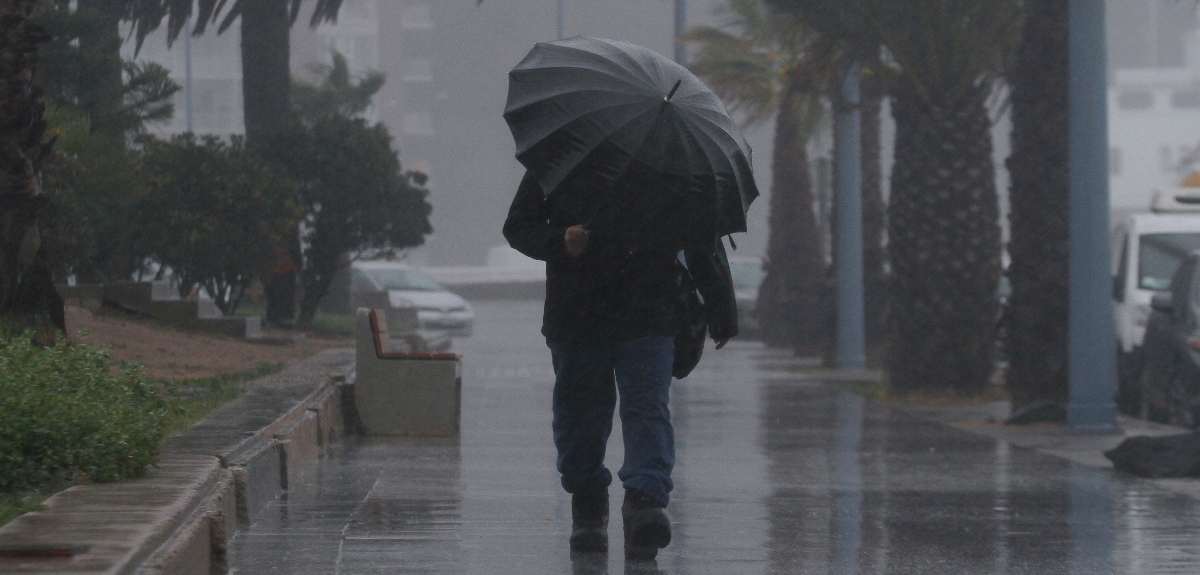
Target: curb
211, 480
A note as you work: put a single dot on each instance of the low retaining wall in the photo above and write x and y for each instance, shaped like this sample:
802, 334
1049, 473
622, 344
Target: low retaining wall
211, 480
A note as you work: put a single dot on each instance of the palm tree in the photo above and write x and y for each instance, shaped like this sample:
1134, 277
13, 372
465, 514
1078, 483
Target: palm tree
1036, 318
755, 62
266, 44
266, 82
942, 60
28, 299
338, 93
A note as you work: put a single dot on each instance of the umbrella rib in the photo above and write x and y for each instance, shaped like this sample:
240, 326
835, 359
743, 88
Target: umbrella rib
716, 133
624, 62
542, 99
732, 167
593, 147
542, 134
606, 73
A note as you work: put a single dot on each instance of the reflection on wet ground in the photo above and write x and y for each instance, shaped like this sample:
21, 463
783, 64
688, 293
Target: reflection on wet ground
775, 475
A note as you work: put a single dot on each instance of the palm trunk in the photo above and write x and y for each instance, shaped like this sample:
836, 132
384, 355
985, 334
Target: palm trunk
944, 245
321, 266
266, 75
266, 95
106, 85
1036, 319
874, 218
790, 306
28, 299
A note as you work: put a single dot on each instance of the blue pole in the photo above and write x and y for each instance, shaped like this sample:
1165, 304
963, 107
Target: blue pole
187, 58
1091, 340
680, 26
562, 23
851, 341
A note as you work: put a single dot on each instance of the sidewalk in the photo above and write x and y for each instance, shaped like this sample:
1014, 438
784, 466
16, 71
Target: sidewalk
776, 474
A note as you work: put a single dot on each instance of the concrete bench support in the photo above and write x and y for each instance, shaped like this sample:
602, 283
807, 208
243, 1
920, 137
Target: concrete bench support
415, 394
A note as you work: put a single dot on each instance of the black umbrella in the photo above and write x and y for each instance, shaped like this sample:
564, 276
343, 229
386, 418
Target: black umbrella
606, 107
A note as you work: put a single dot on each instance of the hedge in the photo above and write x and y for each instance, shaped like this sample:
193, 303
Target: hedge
66, 415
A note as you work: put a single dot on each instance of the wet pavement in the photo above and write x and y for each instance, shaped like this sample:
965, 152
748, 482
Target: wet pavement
775, 475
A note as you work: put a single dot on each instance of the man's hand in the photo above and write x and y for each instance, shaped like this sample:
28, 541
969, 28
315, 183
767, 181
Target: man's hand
576, 239
721, 342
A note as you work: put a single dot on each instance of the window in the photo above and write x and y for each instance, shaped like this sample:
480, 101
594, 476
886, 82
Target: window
362, 10
417, 70
1159, 255
1186, 99
1135, 100
1179, 287
416, 17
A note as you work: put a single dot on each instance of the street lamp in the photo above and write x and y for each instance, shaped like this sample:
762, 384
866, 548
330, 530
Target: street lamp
851, 340
190, 111
680, 26
562, 23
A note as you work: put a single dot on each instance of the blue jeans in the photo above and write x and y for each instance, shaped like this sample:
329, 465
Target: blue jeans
585, 394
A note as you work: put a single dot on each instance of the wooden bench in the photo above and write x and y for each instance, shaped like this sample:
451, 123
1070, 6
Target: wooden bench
404, 392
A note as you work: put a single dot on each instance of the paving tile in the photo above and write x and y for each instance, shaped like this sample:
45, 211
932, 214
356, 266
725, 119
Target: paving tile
775, 475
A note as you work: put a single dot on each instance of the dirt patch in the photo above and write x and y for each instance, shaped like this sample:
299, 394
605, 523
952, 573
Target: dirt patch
174, 354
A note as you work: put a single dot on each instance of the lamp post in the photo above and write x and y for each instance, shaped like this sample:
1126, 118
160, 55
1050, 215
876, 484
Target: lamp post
562, 23
680, 26
851, 339
190, 112
1091, 339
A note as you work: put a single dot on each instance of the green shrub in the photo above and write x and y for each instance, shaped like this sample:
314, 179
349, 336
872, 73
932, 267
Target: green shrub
67, 416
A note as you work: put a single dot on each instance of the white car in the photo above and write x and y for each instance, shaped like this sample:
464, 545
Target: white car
1149, 248
407, 286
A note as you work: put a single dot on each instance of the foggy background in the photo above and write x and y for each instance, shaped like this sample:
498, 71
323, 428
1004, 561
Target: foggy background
446, 63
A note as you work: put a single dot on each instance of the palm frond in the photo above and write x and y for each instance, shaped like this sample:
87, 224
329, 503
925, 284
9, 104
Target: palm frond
148, 15
943, 48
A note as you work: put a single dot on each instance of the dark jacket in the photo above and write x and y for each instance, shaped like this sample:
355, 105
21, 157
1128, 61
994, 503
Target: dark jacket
616, 291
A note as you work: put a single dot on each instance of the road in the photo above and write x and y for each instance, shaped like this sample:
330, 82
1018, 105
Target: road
776, 474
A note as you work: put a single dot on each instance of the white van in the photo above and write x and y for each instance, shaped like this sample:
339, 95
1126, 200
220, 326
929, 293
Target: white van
1149, 248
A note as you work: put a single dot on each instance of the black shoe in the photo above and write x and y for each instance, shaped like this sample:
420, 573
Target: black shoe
647, 528
589, 520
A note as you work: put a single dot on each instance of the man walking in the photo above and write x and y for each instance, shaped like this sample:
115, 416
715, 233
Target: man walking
613, 283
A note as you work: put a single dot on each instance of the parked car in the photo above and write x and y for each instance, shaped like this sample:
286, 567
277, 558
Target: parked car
1148, 250
1169, 382
407, 286
747, 276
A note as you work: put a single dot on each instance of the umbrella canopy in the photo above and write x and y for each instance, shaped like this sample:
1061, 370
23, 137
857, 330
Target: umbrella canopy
603, 107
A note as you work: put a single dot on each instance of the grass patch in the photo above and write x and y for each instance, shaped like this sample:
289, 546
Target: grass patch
333, 325
324, 324
16, 504
69, 417
192, 399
